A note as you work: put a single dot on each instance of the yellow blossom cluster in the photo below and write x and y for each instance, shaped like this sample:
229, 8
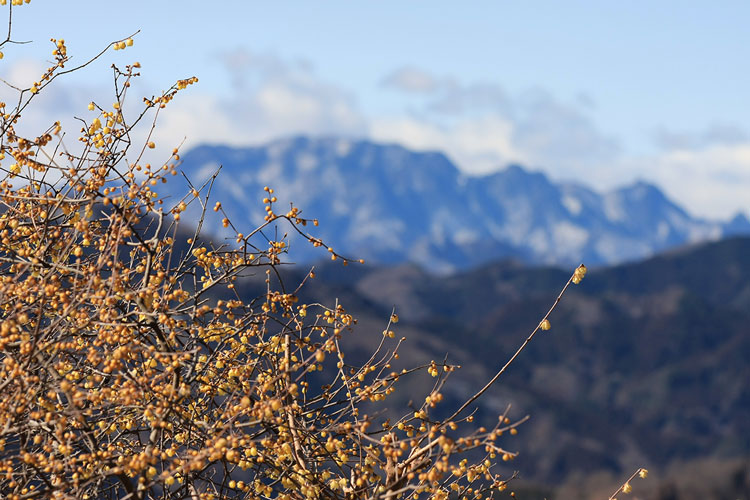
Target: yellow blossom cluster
139, 360
626, 487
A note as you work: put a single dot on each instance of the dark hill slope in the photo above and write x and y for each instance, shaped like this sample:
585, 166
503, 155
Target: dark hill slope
646, 363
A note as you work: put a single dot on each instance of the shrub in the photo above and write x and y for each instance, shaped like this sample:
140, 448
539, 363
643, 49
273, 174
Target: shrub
132, 367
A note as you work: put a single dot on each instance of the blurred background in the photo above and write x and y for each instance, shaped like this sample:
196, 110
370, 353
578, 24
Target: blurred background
474, 154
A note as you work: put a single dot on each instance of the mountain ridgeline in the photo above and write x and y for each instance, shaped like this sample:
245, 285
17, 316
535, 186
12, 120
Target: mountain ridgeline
391, 205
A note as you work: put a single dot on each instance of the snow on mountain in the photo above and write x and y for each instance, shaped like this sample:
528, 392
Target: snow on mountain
385, 203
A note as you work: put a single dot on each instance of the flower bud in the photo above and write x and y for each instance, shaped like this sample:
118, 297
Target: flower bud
579, 273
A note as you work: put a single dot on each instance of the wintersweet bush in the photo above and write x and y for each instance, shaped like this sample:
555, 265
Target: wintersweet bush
131, 366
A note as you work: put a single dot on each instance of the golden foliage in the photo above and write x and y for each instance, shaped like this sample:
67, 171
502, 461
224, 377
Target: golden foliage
124, 375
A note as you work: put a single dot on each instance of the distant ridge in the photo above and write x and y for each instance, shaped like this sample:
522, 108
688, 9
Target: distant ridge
387, 204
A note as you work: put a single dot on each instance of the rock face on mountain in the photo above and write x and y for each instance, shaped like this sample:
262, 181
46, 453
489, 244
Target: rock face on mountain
387, 204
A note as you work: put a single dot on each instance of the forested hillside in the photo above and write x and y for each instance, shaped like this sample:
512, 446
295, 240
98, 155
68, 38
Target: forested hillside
645, 364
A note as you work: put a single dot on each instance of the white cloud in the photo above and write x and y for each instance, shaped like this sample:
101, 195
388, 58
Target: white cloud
56, 102
22, 74
712, 182
66, 102
561, 137
716, 134
411, 79
270, 98
479, 145
483, 127
473, 99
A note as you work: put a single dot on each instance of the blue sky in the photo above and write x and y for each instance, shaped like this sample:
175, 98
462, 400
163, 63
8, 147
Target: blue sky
599, 92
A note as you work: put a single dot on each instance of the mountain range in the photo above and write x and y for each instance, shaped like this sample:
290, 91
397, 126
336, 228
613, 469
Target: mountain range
390, 205
646, 362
